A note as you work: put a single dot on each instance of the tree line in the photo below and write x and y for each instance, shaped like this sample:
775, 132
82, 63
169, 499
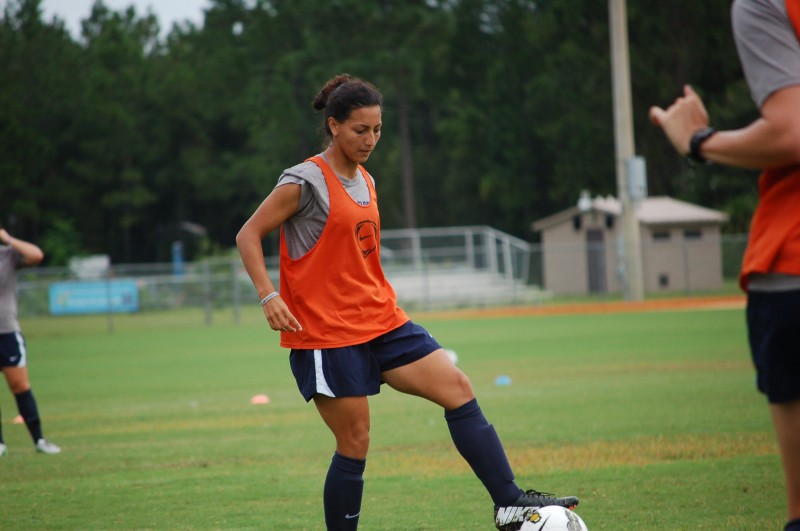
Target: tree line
131, 136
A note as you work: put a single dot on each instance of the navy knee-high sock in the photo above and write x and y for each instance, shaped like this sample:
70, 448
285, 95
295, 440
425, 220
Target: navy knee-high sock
30, 413
479, 445
344, 487
792, 525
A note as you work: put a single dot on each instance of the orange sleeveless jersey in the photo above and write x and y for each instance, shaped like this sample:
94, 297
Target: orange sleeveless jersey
774, 242
337, 291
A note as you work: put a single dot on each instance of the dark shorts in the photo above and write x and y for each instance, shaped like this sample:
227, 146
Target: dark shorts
772, 323
356, 370
12, 350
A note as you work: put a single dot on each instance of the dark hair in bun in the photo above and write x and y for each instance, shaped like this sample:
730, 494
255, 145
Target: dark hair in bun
342, 94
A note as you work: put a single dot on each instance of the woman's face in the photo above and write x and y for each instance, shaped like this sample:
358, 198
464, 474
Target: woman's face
357, 136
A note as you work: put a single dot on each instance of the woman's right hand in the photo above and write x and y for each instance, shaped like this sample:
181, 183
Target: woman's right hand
682, 119
279, 317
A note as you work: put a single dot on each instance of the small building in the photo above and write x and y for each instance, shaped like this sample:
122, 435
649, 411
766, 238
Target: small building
680, 245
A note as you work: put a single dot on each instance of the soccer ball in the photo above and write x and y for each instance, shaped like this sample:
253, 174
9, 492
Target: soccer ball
553, 518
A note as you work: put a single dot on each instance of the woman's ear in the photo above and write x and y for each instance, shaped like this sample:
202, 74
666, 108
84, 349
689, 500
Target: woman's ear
333, 125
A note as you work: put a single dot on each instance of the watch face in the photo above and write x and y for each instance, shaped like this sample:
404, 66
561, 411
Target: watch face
697, 140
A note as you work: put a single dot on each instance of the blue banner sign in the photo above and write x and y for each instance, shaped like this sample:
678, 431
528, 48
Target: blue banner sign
115, 296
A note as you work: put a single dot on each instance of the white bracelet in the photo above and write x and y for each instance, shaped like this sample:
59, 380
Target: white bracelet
269, 297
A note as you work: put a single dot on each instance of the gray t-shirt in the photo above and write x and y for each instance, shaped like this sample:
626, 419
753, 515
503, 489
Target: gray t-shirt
303, 229
10, 261
767, 45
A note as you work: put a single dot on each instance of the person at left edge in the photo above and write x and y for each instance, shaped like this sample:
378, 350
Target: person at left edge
16, 254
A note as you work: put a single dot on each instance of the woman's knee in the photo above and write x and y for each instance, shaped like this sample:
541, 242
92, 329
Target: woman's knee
456, 393
348, 420
17, 379
463, 386
353, 441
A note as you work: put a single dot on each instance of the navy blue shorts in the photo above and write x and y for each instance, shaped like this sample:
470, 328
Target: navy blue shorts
772, 322
12, 350
356, 370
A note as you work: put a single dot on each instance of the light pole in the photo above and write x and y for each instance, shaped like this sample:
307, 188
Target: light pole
629, 246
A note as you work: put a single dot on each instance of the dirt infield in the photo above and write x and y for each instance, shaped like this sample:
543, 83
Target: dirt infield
670, 304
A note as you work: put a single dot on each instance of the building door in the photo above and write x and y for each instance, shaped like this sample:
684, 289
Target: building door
596, 260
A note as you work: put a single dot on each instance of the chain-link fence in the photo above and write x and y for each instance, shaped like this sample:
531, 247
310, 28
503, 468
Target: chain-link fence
429, 269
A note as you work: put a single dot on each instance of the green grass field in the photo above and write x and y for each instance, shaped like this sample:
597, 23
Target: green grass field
651, 418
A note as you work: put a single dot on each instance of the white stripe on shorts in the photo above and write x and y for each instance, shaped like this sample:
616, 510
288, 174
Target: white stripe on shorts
23, 360
322, 385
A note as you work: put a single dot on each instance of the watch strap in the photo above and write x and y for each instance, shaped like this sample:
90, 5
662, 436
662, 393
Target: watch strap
696, 142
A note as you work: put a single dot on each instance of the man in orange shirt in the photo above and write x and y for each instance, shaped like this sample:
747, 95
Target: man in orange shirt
339, 315
767, 36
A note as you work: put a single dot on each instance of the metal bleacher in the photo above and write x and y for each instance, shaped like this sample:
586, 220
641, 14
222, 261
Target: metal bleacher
453, 267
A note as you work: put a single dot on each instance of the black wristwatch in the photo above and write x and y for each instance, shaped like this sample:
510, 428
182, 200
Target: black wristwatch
697, 140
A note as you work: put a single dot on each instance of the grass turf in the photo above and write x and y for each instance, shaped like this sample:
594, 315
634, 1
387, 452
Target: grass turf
651, 418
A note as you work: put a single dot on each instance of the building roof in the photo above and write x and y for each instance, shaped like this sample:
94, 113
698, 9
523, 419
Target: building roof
661, 210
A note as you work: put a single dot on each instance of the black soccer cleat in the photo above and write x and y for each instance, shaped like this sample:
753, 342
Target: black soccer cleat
511, 517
